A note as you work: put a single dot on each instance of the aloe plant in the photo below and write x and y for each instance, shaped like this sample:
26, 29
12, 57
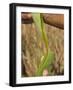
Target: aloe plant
49, 57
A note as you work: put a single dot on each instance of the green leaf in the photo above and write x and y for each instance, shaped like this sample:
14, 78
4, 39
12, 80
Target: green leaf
49, 57
38, 20
46, 62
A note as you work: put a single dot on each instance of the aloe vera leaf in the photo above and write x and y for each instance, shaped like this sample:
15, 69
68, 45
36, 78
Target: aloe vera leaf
38, 20
46, 62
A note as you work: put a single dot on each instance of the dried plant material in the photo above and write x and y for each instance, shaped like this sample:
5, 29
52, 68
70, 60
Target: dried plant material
34, 49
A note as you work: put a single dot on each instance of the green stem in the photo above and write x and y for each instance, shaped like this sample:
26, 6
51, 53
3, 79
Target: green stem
44, 35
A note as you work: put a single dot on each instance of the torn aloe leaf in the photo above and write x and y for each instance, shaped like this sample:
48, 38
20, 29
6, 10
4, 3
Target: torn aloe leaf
46, 62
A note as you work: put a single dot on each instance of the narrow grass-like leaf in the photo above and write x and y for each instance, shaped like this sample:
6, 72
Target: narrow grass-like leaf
38, 20
46, 62
49, 57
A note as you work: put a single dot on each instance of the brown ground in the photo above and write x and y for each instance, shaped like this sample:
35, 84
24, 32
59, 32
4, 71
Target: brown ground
33, 48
